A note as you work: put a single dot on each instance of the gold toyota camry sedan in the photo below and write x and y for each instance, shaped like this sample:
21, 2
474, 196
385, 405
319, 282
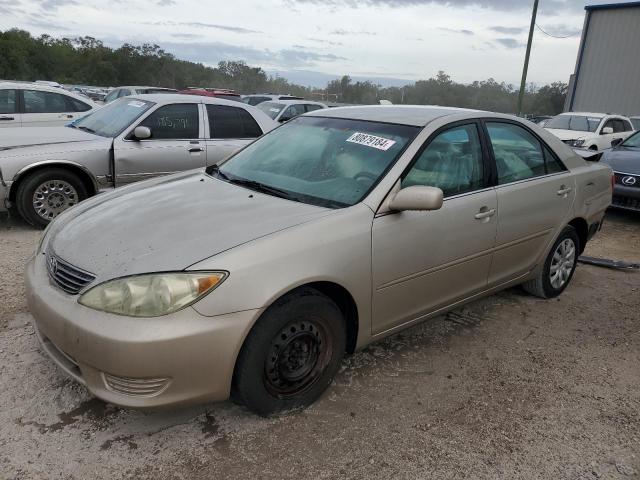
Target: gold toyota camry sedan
251, 279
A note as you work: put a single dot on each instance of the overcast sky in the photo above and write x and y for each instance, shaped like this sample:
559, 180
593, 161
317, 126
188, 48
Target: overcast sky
412, 39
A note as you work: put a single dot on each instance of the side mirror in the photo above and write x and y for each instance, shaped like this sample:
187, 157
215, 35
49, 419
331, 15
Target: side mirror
616, 141
606, 131
417, 197
141, 133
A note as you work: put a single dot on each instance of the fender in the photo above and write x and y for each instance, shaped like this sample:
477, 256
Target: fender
24, 170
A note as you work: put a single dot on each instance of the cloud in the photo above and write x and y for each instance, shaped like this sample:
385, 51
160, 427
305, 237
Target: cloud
228, 28
498, 5
44, 24
508, 30
186, 35
165, 3
463, 31
53, 5
327, 42
341, 31
213, 52
510, 43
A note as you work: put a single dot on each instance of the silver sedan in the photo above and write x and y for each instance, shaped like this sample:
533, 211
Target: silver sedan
335, 230
44, 171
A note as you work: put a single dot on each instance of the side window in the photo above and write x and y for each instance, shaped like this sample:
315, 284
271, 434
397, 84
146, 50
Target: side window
75, 105
292, 111
619, 126
177, 121
311, 108
8, 103
551, 162
609, 124
36, 101
517, 152
112, 95
231, 122
452, 162
123, 92
627, 126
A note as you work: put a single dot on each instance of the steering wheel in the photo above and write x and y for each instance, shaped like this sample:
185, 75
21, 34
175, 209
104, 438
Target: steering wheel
365, 176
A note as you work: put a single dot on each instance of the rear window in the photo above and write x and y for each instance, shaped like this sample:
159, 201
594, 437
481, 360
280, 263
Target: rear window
8, 101
231, 122
155, 90
579, 123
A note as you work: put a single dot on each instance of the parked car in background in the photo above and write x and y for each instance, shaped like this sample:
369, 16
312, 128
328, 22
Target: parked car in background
284, 110
593, 131
213, 92
33, 105
45, 171
257, 98
253, 278
127, 91
635, 120
624, 159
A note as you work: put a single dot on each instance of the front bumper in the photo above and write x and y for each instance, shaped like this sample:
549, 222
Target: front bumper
176, 359
627, 198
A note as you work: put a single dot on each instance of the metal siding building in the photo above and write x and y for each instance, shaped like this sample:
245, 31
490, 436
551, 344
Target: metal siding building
607, 73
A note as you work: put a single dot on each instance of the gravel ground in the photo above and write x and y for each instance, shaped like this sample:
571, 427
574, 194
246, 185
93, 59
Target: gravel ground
507, 387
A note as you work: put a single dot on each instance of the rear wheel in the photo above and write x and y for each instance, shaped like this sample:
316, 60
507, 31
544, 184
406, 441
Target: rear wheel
45, 194
558, 268
291, 354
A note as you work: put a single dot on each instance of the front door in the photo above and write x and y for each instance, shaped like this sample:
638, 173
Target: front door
423, 261
47, 109
9, 116
535, 192
176, 144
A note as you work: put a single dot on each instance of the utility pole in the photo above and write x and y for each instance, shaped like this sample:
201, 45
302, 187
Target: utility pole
523, 82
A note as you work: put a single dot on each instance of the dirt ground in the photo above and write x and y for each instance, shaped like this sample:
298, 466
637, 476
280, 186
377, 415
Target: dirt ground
507, 387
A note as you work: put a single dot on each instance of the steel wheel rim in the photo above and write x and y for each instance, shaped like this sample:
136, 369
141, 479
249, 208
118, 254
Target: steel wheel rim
296, 358
562, 263
53, 197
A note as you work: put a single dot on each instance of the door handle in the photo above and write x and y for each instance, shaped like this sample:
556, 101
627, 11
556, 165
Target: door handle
563, 191
485, 213
64, 115
195, 150
7, 118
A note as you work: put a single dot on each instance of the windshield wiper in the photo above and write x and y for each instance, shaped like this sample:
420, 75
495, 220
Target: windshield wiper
261, 187
85, 129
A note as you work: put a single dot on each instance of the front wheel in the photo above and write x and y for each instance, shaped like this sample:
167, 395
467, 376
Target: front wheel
558, 268
291, 355
47, 193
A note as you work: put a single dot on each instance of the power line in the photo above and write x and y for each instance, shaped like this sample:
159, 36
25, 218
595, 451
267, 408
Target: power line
554, 36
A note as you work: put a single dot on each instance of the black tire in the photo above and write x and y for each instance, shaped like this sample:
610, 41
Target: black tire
28, 186
265, 379
593, 148
541, 286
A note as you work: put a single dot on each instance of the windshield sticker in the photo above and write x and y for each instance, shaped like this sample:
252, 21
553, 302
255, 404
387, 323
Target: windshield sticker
371, 141
594, 119
136, 104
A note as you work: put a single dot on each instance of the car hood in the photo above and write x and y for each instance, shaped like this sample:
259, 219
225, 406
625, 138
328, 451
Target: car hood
19, 141
569, 134
623, 159
169, 224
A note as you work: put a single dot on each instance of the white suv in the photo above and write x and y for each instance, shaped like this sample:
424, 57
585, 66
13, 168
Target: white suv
594, 131
34, 105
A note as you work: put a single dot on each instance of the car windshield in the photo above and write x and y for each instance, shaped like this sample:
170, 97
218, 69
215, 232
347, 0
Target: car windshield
271, 108
330, 162
113, 118
636, 123
580, 123
632, 141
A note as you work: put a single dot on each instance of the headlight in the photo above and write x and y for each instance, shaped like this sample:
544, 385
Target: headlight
151, 295
578, 143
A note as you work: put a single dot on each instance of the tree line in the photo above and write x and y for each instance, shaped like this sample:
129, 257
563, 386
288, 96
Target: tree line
87, 61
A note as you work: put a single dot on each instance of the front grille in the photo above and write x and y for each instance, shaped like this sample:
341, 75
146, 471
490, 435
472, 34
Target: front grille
620, 176
67, 277
135, 387
626, 202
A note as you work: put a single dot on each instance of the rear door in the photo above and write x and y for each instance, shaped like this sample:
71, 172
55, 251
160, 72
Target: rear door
535, 193
230, 129
9, 116
48, 109
176, 144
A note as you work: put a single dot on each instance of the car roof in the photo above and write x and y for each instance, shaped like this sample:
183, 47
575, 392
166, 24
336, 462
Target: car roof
415, 115
186, 98
143, 86
46, 88
287, 101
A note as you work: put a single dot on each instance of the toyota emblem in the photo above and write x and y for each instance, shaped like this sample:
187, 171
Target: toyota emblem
629, 181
